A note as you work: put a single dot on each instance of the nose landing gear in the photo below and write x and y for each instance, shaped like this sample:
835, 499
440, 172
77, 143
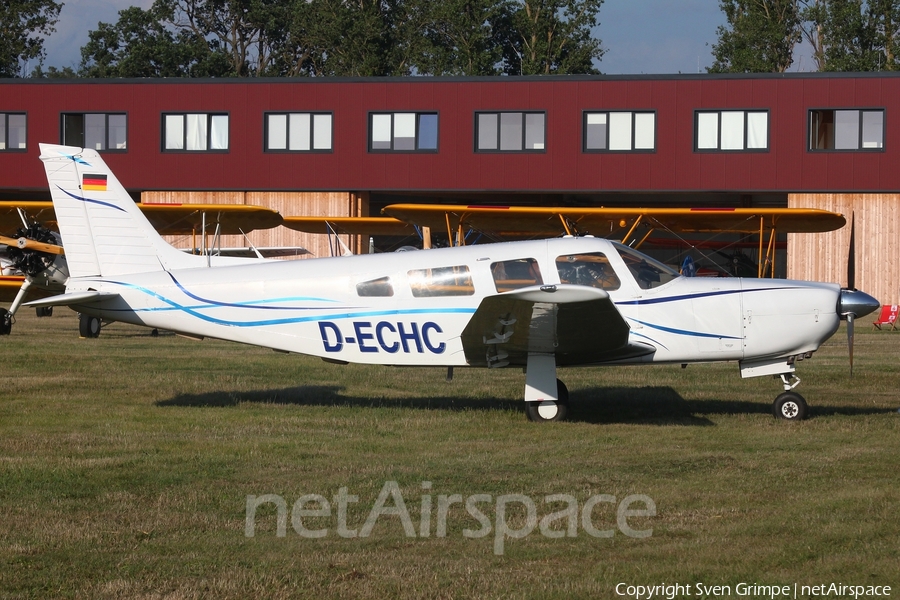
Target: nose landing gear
790, 405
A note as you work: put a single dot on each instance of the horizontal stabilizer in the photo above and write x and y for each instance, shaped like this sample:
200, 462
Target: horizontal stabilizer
70, 299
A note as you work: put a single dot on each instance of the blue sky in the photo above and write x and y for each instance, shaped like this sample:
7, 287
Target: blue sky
640, 36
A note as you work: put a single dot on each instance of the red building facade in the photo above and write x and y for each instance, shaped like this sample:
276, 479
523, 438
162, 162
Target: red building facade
673, 106
815, 140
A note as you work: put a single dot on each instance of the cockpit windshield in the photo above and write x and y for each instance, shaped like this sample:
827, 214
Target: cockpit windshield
648, 272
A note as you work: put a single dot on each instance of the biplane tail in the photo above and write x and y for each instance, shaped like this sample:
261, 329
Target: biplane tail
104, 233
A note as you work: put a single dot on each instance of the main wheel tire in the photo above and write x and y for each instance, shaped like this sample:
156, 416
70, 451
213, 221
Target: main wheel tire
790, 406
43, 311
88, 326
550, 410
5, 322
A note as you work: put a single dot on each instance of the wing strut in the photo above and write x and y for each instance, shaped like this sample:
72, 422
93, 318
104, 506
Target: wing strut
633, 227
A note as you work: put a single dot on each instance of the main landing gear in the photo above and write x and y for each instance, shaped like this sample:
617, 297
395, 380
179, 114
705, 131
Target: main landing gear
790, 405
88, 326
542, 411
546, 397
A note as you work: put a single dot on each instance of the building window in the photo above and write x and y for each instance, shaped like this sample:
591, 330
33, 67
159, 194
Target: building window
298, 132
97, 131
510, 131
195, 132
403, 132
618, 131
13, 131
846, 129
731, 130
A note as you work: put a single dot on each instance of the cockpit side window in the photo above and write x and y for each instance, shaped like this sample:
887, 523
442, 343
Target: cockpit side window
648, 272
380, 287
441, 281
591, 269
514, 274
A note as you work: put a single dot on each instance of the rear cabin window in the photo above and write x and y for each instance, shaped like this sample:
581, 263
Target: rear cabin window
442, 281
591, 269
514, 274
377, 287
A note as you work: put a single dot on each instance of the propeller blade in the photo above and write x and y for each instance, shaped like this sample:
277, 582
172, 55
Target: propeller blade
851, 256
853, 304
24, 243
850, 319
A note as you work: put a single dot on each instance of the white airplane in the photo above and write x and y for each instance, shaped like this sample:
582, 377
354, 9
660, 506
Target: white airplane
538, 304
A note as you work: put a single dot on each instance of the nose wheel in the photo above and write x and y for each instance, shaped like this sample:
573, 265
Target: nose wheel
790, 406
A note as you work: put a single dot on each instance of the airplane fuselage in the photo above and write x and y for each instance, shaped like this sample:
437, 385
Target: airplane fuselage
411, 308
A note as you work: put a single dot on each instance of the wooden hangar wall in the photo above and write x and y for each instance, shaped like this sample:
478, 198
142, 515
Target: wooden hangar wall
876, 227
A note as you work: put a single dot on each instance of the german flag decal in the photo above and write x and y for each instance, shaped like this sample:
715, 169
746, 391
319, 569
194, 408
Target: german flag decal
93, 183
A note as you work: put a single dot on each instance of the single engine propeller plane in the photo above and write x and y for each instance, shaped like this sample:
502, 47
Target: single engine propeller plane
535, 304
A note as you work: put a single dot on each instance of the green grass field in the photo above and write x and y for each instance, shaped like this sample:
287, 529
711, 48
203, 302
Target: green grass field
126, 463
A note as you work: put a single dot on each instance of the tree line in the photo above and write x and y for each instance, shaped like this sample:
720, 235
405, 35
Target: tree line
842, 35
321, 38
356, 38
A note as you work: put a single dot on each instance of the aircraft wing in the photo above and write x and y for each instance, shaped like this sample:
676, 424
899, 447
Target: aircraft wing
532, 220
577, 324
166, 218
185, 219
350, 225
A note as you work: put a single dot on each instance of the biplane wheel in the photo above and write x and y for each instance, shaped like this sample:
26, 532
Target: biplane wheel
43, 311
5, 322
790, 406
88, 326
550, 410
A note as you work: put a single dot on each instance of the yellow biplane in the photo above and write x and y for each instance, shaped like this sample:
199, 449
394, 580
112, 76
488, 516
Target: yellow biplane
633, 226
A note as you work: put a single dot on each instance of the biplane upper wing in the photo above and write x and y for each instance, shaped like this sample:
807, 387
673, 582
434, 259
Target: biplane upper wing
525, 220
232, 219
166, 218
576, 324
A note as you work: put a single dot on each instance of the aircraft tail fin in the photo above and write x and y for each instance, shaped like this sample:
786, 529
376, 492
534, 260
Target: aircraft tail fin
103, 231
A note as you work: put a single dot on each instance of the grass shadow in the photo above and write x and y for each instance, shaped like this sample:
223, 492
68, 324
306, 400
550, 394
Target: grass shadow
600, 405
322, 395
654, 405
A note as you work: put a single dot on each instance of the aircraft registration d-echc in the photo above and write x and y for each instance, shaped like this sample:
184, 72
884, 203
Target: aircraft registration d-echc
536, 304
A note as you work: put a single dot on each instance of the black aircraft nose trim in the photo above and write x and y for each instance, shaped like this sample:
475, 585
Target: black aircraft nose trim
857, 303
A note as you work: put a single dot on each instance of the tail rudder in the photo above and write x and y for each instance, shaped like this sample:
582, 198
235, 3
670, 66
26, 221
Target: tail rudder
103, 231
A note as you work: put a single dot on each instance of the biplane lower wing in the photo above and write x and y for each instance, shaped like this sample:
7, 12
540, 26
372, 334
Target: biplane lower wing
350, 225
